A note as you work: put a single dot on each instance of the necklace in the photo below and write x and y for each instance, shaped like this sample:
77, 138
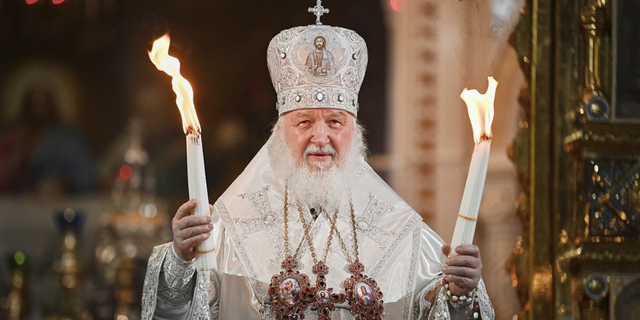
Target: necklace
322, 298
291, 293
289, 290
362, 293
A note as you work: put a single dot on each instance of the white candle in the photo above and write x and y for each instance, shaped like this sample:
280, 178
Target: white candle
480, 109
159, 55
198, 190
470, 204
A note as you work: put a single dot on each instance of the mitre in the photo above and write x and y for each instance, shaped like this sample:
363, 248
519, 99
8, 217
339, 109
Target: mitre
317, 66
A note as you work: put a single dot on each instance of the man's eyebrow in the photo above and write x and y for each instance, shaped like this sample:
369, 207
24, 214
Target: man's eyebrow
303, 114
337, 113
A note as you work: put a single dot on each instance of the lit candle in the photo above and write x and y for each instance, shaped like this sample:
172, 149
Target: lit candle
160, 57
480, 108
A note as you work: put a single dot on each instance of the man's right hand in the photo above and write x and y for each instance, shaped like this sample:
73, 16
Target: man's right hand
189, 230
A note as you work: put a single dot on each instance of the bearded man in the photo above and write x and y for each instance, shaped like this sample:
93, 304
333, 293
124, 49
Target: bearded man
309, 213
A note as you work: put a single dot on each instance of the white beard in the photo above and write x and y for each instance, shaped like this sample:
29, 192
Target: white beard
328, 188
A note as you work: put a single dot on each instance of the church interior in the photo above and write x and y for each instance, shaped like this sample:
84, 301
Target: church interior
93, 160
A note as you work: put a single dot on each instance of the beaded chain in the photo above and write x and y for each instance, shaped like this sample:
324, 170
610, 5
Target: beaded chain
307, 236
471, 297
286, 232
320, 297
342, 244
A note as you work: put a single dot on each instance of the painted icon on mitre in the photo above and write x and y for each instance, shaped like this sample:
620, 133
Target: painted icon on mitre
320, 60
320, 55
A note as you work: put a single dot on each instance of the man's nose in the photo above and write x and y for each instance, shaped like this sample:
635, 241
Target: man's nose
320, 136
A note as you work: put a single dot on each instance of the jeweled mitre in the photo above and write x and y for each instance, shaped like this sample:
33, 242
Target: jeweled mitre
317, 66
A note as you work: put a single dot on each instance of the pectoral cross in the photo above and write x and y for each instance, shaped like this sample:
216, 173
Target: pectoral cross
318, 11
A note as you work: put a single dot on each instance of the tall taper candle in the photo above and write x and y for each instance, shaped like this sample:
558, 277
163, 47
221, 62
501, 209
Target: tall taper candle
480, 108
470, 204
198, 190
159, 55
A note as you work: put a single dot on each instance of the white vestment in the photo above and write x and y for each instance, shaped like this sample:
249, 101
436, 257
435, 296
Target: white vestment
397, 248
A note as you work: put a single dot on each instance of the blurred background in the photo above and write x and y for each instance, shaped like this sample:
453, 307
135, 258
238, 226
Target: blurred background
92, 152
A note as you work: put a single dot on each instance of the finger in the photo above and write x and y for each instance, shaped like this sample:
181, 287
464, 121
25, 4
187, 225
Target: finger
193, 221
464, 261
189, 244
468, 250
464, 277
194, 231
466, 284
445, 249
462, 272
188, 238
460, 288
178, 227
186, 209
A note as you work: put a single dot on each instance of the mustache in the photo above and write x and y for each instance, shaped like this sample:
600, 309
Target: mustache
325, 149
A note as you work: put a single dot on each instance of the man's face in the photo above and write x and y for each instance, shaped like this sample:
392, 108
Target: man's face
319, 42
312, 134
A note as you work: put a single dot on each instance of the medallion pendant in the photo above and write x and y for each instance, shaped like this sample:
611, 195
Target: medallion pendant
289, 290
324, 299
362, 293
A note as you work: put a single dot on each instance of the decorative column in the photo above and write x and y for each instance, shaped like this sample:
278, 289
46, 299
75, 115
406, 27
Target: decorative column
413, 101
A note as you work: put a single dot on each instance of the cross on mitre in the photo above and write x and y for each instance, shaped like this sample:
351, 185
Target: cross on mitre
318, 11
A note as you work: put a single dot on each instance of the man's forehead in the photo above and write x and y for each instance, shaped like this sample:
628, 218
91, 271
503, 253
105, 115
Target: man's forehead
312, 112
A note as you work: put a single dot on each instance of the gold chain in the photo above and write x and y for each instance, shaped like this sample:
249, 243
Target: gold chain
286, 229
333, 229
307, 236
355, 239
353, 227
286, 226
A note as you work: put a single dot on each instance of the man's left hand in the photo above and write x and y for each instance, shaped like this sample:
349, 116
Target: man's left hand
463, 270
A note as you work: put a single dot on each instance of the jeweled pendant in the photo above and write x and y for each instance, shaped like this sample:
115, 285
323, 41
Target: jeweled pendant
363, 294
289, 291
322, 298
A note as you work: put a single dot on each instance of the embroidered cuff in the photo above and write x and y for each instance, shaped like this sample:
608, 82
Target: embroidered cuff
177, 279
437, 302
462, 307
485, 308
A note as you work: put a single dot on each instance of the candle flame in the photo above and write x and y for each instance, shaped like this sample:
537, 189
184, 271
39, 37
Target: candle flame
160, 57
480, 108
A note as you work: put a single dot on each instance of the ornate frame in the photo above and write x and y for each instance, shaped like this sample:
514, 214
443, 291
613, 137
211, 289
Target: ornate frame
577, 162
